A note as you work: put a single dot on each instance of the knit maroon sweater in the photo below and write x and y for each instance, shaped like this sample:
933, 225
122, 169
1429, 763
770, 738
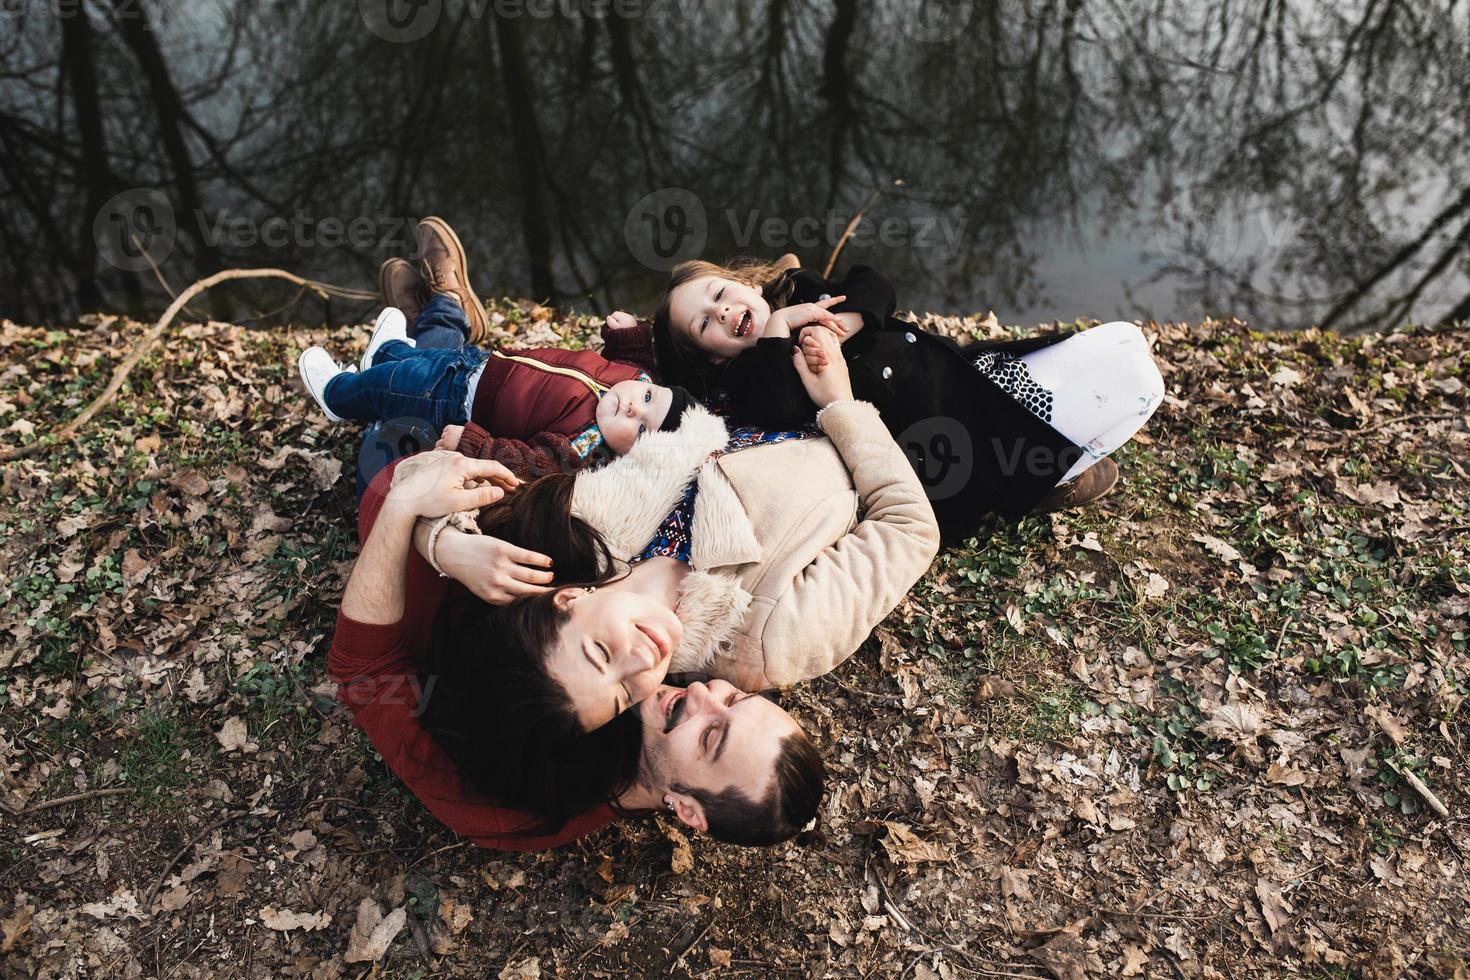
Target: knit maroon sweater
534, 412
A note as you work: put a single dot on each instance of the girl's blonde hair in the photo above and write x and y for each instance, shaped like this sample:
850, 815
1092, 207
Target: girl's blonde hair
679, 361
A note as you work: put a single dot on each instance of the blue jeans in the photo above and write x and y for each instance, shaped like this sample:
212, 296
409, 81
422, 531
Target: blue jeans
407, 384
441, 323
441, 327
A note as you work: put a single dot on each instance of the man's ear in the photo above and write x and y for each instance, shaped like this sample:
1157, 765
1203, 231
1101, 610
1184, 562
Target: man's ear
690, 812
565, 597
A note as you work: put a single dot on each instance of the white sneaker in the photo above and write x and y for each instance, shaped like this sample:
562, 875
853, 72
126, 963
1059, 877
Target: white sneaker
317, 368
391, 325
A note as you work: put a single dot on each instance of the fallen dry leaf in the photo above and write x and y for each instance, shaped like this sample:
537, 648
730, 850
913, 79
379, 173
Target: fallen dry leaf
285, 920
373, 932
904, 846
232, 736
681, 861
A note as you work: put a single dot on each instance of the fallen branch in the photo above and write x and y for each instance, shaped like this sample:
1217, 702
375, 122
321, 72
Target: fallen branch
75, 798
125, 367
179, 855
1435, 803
852, 227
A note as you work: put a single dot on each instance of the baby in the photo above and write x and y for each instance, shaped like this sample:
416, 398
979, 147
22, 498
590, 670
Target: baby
550, 410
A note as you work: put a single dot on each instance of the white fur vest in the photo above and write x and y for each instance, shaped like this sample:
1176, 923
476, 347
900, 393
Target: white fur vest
628, 499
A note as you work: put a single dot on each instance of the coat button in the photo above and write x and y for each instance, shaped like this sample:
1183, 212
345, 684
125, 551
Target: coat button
909, 336
887, 373
824, 297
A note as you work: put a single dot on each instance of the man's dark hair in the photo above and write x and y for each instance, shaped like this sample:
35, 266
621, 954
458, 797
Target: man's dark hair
737, 818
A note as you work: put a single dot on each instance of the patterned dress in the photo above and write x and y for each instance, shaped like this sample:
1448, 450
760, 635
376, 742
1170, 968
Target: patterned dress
672, 538
1011, 375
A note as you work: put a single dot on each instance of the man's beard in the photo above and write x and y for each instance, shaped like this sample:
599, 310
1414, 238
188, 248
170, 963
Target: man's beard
653, 761
654, 769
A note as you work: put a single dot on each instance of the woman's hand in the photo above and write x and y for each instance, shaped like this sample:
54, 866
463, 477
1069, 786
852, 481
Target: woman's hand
449, 437
782, 322
618, 320
495, 570
831, 383
439, 482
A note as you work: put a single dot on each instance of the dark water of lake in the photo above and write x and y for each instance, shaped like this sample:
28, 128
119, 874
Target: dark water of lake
1290, 161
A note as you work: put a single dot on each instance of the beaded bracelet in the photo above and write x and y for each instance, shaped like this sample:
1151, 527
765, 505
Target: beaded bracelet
435, 529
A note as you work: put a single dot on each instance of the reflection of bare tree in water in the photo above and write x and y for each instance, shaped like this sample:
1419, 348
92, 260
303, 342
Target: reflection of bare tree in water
1337, 128
1286, 159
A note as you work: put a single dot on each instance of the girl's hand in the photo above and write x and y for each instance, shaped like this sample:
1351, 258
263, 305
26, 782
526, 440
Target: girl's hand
788, 318
495, 570
832, 384
618, 320
438, 482
449, 437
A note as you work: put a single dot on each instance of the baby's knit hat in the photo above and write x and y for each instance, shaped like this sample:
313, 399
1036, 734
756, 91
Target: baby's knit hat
679, 400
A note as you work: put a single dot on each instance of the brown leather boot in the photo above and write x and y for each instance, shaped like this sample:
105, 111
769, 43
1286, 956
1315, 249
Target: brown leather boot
1093, 482
401, 286
446, 270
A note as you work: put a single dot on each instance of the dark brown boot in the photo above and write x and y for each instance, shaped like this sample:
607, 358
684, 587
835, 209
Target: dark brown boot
401, 286
1094, 481
446, 270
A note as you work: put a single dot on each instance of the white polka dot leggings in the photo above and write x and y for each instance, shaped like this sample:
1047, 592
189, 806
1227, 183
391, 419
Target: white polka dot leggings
1104, 386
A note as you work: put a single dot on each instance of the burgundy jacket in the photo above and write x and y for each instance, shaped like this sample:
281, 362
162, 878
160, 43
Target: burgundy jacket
535, 400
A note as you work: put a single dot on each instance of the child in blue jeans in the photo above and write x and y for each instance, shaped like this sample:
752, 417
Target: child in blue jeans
533, 410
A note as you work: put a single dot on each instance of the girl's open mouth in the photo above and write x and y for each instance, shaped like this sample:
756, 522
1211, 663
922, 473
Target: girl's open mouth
744, 324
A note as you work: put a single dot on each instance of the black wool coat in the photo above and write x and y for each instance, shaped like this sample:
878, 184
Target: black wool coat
975, 448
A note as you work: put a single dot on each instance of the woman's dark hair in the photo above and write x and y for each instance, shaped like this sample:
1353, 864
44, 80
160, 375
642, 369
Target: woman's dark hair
679, 362
738, 818
510, 730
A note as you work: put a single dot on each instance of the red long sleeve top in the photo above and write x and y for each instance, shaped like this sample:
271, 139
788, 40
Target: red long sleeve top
377, 672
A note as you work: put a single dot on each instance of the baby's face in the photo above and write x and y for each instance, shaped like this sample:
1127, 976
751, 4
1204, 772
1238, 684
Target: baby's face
628, 409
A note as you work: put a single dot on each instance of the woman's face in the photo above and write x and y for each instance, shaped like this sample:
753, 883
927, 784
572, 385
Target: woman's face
720, 316
613, 650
